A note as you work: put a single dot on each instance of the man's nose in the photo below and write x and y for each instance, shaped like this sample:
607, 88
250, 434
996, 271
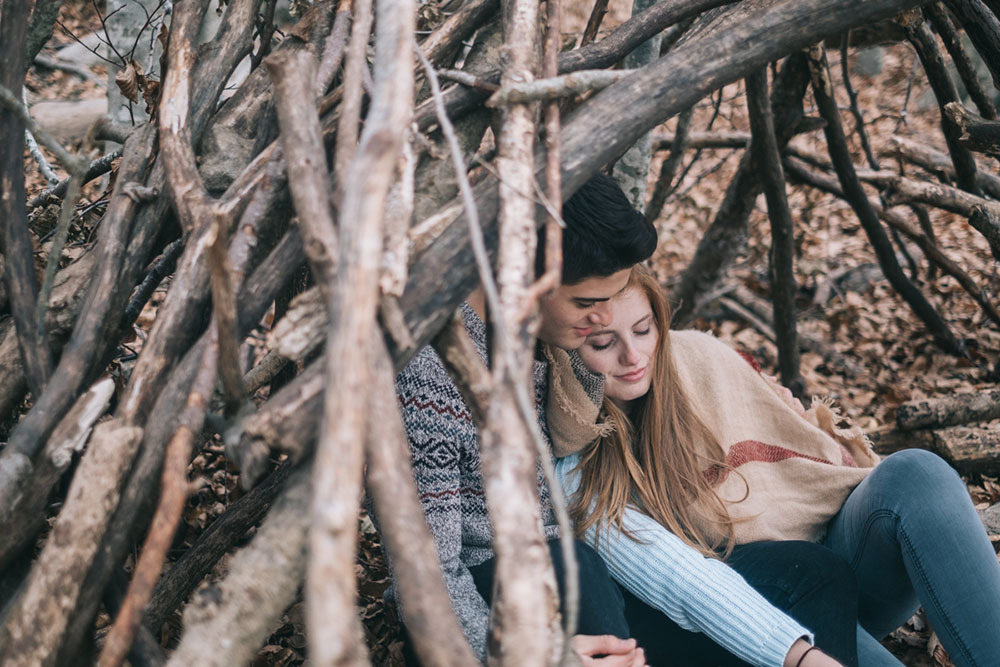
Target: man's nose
600, 314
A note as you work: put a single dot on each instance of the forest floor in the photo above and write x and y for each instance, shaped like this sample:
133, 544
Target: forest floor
856, 312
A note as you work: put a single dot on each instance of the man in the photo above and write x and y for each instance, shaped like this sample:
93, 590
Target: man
603, 239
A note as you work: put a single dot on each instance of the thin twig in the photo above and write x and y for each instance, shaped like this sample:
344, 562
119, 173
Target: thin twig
69, 33
43, 164
852, 95
163, 266
98, 167
668, 169
476, 240
866, 146
174, 489
72, 163
565, 85
36, 153
55, 253
594, 22
468, 79
909, 90
355, 67
333, 47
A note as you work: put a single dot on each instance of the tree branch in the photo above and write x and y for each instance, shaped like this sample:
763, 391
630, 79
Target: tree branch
364, 185
855, 195
801, 172
941, 21
767, 158
944, 91
174, 489
977, 133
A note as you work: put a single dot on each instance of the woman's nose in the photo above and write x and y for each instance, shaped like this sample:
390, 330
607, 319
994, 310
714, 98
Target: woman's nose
629, 356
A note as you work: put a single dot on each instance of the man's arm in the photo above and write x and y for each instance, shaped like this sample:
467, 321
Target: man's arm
438, 427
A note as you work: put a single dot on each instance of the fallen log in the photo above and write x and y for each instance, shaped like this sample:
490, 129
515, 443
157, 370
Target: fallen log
949, 411
968, 449
991, 519
978, 134
887, 440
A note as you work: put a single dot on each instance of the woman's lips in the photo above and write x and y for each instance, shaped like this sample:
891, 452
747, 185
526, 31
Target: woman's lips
634, 376
583, 331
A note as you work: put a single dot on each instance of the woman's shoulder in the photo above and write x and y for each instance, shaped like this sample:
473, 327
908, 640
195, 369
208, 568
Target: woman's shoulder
701, 357
693, 340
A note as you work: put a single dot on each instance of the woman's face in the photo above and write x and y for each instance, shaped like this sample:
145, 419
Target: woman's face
624, 350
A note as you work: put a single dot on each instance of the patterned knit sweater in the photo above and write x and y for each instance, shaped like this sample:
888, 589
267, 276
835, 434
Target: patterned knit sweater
445, 448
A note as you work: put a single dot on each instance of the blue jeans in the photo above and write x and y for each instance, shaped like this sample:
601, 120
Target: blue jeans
601, 609
914, 539
806, 580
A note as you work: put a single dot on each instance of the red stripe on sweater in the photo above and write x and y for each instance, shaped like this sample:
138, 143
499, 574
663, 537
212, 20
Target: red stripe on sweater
413, 401
748, 451
747, 357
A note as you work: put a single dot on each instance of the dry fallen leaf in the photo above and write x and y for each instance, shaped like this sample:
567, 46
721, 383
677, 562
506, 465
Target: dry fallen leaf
129, 81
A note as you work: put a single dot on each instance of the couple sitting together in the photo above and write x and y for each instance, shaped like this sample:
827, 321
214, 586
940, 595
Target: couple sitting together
717, 521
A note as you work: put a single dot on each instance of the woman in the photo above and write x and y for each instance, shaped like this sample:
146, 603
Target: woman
723, 458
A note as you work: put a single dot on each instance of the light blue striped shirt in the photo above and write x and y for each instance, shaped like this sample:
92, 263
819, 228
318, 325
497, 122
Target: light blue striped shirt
698, 593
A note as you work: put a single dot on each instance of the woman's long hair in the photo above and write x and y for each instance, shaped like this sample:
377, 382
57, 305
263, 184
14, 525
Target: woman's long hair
656, 466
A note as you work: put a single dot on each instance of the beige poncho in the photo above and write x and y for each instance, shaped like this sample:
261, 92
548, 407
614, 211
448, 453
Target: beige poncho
798, 466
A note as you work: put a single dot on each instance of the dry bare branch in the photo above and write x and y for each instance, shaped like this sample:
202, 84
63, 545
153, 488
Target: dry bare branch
355, 65
977, 133
262, 582
364, 185
767, 158
174, 489
34, 626
565, 85
828, 183
855, 195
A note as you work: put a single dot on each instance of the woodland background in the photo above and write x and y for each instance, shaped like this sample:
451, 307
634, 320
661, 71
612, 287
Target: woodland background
864, 347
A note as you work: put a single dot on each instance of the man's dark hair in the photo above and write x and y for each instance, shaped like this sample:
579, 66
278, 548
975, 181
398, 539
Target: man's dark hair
603, 233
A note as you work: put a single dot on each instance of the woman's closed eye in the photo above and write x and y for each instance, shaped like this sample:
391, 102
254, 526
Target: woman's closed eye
602, 343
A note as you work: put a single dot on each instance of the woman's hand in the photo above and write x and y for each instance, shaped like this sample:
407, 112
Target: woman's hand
814, 658
614, 652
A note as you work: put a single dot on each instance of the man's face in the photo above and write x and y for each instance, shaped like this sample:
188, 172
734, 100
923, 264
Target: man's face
571, 312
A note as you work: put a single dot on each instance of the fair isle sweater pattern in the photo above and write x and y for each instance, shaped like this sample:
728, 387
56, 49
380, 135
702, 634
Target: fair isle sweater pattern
444, 446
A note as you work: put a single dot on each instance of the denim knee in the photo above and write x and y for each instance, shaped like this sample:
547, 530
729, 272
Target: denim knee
914, 466
912, 474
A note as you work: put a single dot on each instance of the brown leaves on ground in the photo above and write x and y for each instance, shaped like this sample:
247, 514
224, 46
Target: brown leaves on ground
862, 319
